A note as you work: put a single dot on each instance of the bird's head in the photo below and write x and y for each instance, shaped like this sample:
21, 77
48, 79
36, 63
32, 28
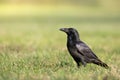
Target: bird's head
71, 32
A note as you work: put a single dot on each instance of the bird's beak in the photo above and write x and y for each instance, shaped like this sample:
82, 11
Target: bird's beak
64, 29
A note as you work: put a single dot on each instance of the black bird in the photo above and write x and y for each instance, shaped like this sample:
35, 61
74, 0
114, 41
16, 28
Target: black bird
80, 52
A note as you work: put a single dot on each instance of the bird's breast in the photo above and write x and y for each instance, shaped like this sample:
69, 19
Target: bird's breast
71, 48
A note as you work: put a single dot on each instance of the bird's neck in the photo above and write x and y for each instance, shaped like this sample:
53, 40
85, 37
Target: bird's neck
73, 38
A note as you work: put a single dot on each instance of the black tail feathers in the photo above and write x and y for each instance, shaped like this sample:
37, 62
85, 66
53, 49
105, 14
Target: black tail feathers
100, 63
104, 65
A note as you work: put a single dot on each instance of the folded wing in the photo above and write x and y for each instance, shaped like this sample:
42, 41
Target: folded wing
84, 50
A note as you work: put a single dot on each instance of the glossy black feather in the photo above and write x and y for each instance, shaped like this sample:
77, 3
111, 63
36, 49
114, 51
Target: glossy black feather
80, 52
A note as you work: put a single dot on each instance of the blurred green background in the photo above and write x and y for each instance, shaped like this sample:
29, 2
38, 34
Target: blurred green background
33, 48
56, 11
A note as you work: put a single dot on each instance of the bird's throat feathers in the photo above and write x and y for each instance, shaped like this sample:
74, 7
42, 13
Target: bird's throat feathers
73, 37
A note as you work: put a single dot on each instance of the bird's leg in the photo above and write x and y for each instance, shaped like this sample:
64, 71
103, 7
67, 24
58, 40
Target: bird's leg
78, 64
83, 62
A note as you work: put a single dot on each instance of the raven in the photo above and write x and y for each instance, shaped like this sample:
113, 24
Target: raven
80, 52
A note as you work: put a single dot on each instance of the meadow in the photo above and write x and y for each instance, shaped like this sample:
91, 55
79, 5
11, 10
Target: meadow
33, 48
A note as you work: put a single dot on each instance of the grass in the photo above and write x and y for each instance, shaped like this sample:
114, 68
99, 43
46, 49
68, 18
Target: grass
36, 50
30, 52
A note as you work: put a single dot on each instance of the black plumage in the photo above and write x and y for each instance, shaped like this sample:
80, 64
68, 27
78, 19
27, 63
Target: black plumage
80, 52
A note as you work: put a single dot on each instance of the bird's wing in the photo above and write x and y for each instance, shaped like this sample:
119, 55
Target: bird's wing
84, 50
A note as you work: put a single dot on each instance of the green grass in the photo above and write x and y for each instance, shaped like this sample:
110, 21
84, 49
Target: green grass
35, 51
33, 48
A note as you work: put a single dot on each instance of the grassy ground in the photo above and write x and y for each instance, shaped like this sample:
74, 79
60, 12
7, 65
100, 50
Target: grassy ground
36, 50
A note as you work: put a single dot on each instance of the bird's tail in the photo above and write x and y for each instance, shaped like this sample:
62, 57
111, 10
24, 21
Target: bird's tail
100, 63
